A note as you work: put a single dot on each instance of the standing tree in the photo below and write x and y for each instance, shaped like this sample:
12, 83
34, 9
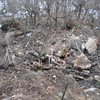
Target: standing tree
12, 7
32, 9
48, 4
79, 5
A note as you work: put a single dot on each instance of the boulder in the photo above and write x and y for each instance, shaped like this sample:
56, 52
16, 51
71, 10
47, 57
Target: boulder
91, 45
82, 62
75, 42
97, 78
73, 91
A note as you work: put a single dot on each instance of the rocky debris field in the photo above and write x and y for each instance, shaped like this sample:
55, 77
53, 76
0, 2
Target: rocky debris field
50, 65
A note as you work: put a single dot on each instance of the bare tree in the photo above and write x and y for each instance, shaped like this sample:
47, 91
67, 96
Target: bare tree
32, 8
55, 11
56, 6
12, 7
79, 5
48, 4
3, 10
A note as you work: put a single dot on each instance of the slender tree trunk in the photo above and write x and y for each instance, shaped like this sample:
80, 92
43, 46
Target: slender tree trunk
56, 19
48, 11
34, 19
85, 15
79, 13
31, 19
13, 17
65, 15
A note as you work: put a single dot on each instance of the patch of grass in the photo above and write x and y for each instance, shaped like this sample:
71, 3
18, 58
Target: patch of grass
13, 29
41, 67
78, 27
40, 98
59, 96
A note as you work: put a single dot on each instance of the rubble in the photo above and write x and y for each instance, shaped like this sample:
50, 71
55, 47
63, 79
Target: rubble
47, 66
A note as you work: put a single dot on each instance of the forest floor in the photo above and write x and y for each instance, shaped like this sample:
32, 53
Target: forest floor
49, 65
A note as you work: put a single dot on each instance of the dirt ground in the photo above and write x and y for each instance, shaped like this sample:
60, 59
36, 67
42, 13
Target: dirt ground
31, 67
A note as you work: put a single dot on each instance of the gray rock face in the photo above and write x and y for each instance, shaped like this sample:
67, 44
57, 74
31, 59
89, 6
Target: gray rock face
91, 45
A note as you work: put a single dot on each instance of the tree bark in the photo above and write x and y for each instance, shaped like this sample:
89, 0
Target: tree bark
79, 13
34, 19
56, 19
85, 15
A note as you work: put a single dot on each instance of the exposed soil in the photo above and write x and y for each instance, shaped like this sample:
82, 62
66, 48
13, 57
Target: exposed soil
27, 71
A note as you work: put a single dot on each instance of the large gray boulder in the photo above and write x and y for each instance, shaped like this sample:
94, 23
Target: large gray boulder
91, 45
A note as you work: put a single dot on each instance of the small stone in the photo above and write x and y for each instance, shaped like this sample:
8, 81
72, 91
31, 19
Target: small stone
54, 76
86, 72
36, 54
58, 53
97, 77
29, 34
